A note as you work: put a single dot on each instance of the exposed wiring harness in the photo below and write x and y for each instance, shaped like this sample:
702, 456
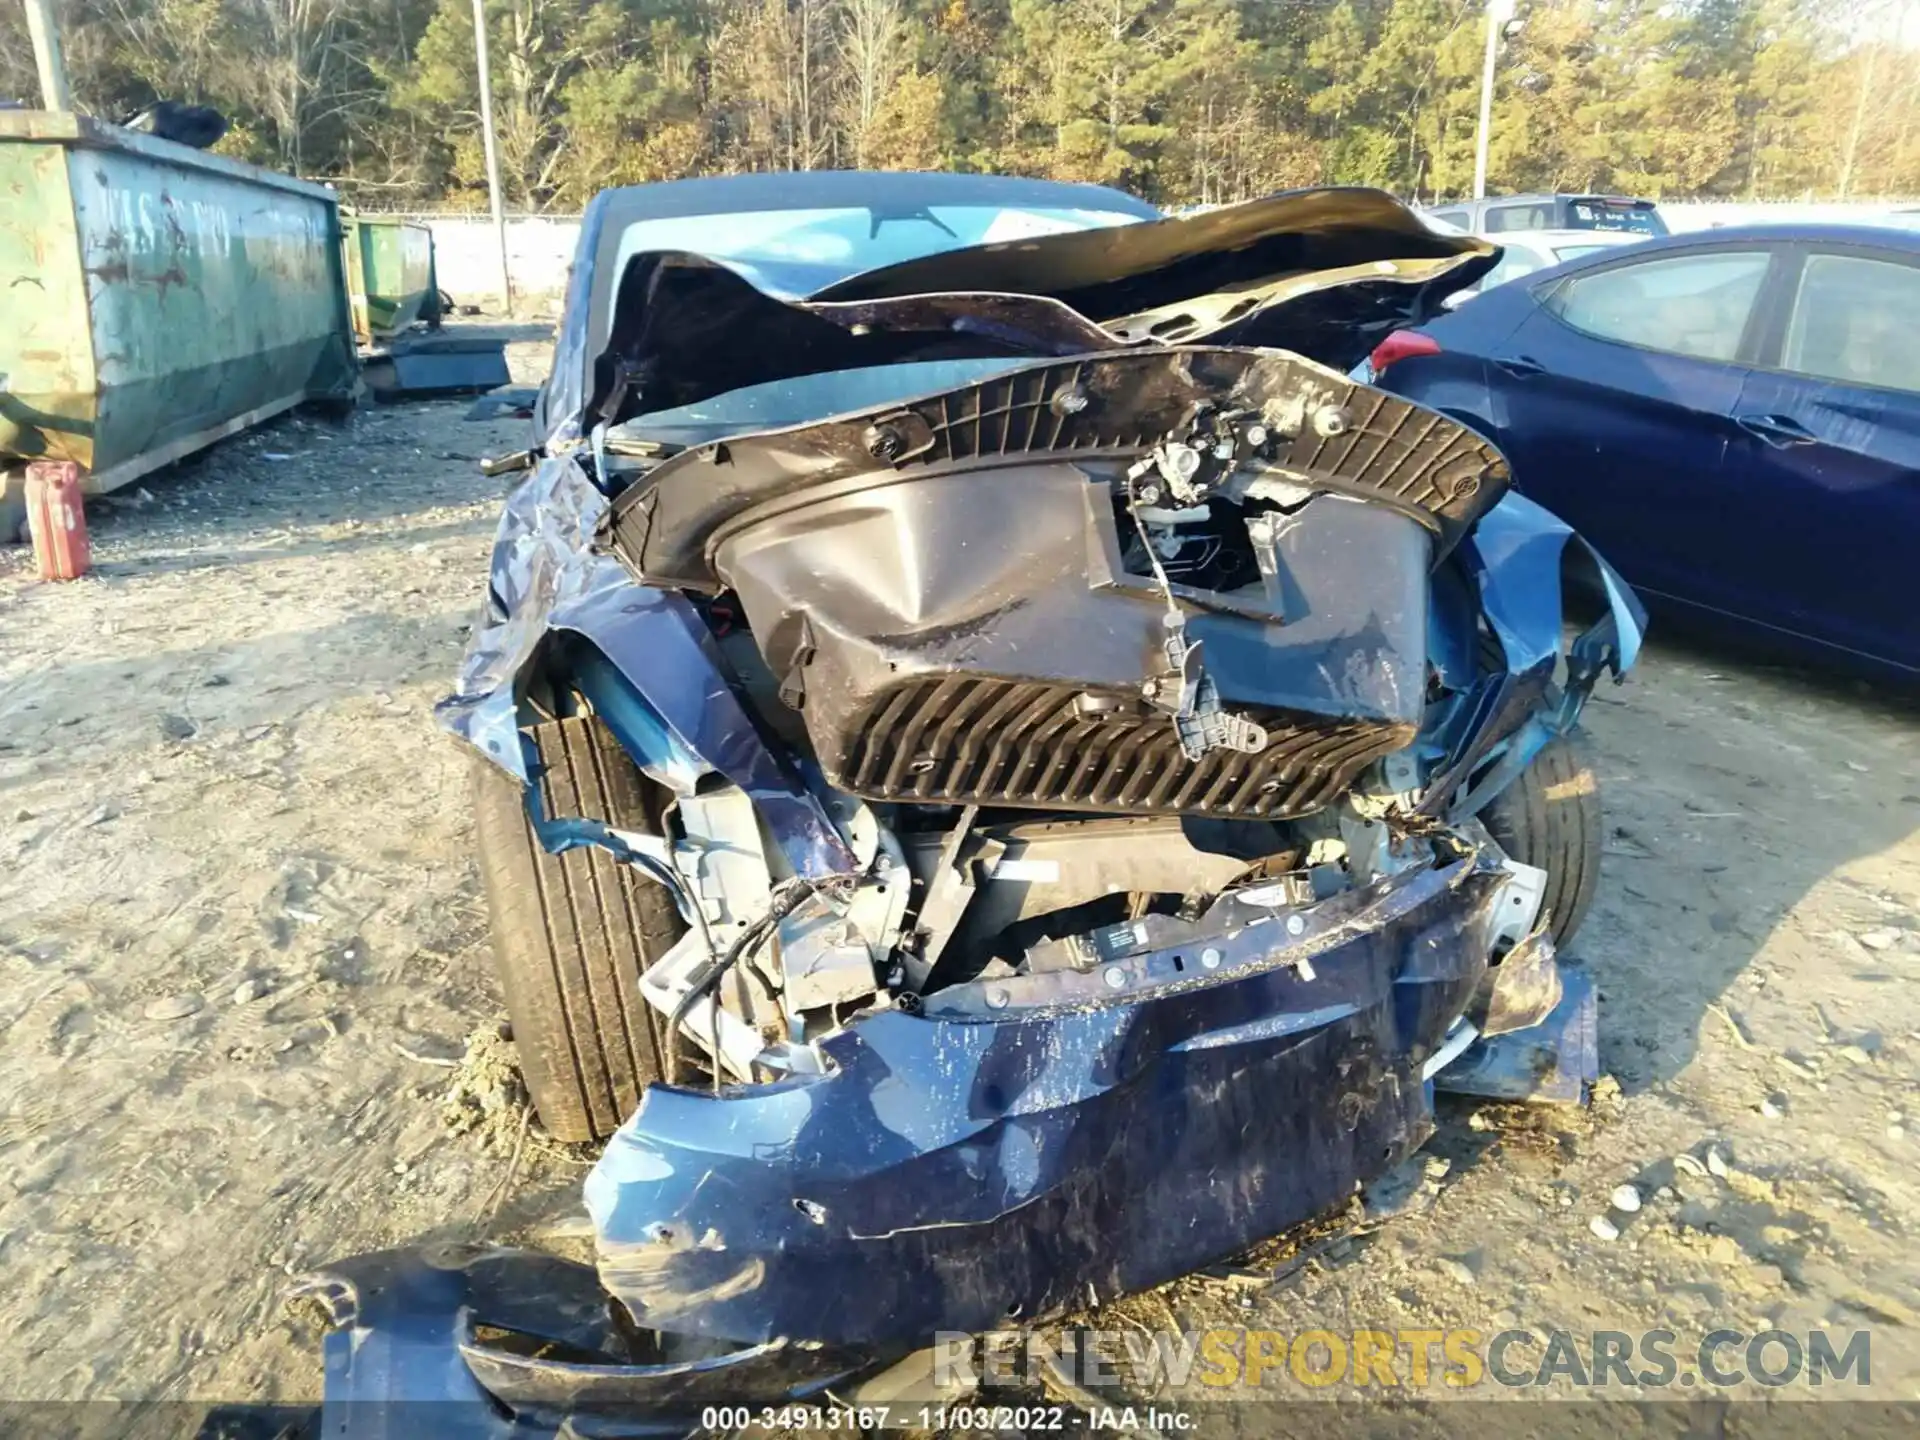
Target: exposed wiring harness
787, 897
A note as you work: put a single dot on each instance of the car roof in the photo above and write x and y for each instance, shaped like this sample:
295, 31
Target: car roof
831, 189
1551, 238
1883, 237
1539, 195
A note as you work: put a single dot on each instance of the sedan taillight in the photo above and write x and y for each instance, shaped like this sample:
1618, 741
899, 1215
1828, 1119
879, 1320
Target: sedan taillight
1399, 346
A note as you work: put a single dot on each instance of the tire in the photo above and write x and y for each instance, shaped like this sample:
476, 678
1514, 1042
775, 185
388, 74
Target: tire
1550, 818
573, 932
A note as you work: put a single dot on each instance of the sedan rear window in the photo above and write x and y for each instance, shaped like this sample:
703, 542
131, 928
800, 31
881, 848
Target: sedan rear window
1856, 320
1632, 216
1692, 305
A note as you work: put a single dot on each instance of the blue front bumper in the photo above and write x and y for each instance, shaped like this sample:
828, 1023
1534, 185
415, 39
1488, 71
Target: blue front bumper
1018, 1149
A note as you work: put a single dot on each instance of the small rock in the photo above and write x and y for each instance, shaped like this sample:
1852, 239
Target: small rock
20, 817
214, 682
1885, 938
1665, 1192
1603, 1228
174, 1007
1895, 1117
1857, 767
1717, 1163
1479, 1121
102, 816
1856, 1054
1625, 1198
1772, 1108
248, 991
1457, 1271
1437, 1167
1505, 1319
1566, 1201
1896, 1132
176, 727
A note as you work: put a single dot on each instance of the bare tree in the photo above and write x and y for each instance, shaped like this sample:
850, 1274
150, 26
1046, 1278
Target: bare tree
868, 35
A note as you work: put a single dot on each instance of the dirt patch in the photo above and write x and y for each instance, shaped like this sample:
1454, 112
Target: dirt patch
486, 1098
241, 935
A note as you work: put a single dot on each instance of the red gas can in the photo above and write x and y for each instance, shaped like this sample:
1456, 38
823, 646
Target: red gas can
58, 520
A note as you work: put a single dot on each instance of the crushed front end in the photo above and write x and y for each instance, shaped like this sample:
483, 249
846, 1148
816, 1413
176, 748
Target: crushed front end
1073, 780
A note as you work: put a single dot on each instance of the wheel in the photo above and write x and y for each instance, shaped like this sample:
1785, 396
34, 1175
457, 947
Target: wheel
573, 932
1550, 818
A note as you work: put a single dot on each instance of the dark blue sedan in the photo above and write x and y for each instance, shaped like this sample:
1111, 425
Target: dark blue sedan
1731, 417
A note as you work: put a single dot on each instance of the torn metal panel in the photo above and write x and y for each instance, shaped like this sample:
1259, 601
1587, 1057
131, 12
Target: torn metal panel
1520, 991
474, 1342
1555, 1062
545, 577
1016, 1150
1187, 278
1487, 733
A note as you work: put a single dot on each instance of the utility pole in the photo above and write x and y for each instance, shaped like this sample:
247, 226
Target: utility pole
45, 35
492, 153
1499, 16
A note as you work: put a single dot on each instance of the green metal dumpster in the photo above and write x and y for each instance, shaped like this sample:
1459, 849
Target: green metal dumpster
155, 298
390, 277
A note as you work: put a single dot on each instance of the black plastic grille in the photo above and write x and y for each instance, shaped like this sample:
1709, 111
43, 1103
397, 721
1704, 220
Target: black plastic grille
1002, 742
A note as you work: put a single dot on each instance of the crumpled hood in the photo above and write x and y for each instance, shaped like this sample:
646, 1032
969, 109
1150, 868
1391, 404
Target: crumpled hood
1322, 273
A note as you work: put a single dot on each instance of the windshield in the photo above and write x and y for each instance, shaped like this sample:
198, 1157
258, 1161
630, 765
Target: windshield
792, 253
803, 398
1635, 217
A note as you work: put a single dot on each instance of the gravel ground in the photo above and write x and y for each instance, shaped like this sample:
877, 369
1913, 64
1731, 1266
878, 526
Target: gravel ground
242, 942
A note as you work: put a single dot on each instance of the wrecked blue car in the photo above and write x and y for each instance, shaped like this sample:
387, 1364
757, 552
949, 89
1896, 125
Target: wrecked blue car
1003, 776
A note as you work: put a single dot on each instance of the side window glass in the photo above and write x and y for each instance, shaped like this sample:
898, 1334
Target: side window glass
1451, 217
1692, 305
1856, 320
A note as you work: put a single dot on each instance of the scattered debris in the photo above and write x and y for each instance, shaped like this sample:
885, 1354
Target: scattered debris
1625, 1198
248, 991
1796, 1066
1733, 1026
1884, 938
1603, 1228
1717, 1163
419, 1059
174, 1007
1688, 1165
177, 727
1456, 1270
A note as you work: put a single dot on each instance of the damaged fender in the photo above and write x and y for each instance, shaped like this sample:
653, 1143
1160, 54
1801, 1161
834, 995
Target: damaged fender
547, 577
